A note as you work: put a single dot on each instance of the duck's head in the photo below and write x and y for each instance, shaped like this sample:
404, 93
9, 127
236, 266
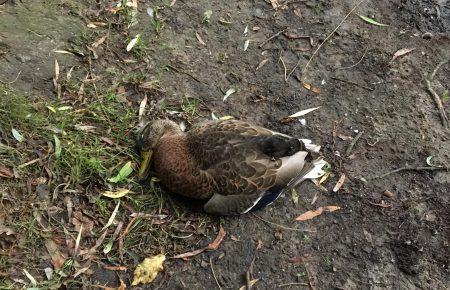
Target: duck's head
148, 136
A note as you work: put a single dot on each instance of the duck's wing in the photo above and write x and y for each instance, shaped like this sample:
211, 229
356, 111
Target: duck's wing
246, 162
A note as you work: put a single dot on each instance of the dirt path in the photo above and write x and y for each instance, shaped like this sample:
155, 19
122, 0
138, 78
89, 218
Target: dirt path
391, 233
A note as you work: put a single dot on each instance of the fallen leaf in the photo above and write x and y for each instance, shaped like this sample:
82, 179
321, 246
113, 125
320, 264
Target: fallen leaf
30, 277
57, 146
246, 43
229, 93
56, 70
313, 213
17, 135
274, 4
63, 52
80, 220
401, 52
215, 244
142, 107
262, 63
85, 128
99, 41
299, 259
124, 172
371, 21
339, 183
57, 258
107, 141
6, 172
291, 35
112, 217
116, 268
199, 39
173, 3
251, 283
116, 193
64, 108
147, 271
298, 12
303, 112
311, 88
212, 246
133, 42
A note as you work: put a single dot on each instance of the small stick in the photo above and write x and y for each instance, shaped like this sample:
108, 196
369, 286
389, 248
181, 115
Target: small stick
285, 70
353, 83
13, 81
353, 143
406, 168
283, 227
272, 37
330, 35
292, 284
183, 72
437, 99
353, 65
214, 274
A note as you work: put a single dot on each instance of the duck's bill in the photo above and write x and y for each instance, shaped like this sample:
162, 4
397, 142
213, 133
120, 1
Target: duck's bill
144, 169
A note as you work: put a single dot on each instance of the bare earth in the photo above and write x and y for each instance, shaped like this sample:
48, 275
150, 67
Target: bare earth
392, 232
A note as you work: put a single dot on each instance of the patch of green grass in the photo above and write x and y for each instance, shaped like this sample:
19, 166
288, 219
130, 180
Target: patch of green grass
190, 106
445, 96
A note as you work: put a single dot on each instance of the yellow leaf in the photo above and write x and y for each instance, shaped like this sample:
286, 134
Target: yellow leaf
146, 271
117, 193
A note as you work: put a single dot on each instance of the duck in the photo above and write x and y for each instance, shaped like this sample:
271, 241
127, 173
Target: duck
233, 165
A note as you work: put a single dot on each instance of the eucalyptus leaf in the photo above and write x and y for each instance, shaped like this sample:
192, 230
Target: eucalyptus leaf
123, 173
57, 146
17, 135
371, 21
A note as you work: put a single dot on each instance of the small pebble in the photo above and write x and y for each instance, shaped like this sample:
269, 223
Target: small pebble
258, 12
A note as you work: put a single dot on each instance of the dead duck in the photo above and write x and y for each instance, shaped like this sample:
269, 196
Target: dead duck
236, 166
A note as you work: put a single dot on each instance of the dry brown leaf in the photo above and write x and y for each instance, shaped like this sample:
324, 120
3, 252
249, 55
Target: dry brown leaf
313, 213
259, 244
79, 219
291, 35
302, 49
56, 71
199, 39
262, 63
298, 12
216, 243
401, 52
311, 88
212, 246
107, 141
339, 183
57, 258
274, 3
6, 172
99, 41
299, 259
146, 271
116, 268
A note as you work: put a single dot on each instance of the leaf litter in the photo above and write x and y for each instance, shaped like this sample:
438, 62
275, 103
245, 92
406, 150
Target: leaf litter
313, 213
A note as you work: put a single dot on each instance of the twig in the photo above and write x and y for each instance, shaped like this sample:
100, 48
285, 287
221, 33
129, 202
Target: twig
183, 72
330, 35
353, 143
214, 274
10, 83
353, 65
292, 284
283, 227
407, 168
272, 37
353, 83
285, 70
436, 97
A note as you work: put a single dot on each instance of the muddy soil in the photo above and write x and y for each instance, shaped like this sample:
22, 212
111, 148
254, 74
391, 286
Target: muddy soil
392, 231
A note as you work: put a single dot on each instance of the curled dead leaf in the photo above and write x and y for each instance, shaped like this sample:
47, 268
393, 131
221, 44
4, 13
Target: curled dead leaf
116, 193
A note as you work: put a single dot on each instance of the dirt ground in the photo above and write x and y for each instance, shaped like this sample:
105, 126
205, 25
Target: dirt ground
392, 231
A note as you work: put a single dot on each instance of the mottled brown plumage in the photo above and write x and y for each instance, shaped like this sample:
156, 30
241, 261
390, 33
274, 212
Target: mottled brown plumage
232, 163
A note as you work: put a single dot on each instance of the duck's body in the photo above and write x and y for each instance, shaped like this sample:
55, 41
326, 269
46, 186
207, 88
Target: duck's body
234, 165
